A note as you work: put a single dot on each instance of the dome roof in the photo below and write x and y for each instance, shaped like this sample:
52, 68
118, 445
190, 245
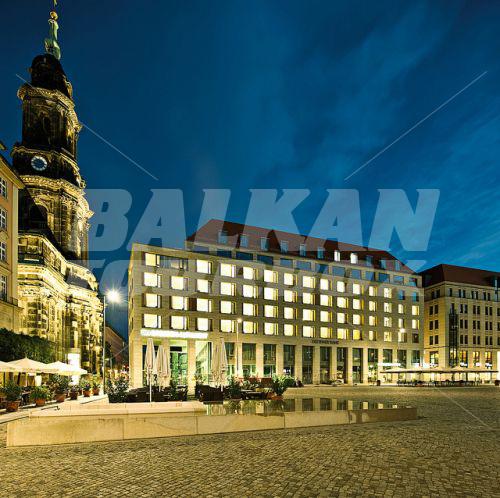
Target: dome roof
47, 72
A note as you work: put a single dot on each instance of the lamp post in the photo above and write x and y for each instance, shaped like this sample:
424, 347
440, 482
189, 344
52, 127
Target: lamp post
113, 296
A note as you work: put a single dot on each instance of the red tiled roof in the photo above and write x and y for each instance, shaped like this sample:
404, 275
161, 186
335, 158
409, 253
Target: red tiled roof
458, 274
209, 232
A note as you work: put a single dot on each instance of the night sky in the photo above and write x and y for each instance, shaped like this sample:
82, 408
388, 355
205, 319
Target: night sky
284, 94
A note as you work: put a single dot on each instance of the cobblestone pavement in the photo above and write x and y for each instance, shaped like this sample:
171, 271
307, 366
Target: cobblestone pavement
452, 450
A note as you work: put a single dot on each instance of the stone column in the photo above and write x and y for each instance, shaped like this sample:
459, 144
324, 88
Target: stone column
239, 357
259, 359
135, 359
333, 363
191, 351
349, 365
166, 347
298, 361
481, 357
380, 359
316, 365
496, 364
279, 359
364, 363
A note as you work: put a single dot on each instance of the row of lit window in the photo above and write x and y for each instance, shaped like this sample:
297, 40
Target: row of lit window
252, 291
307, 315
320, 250
463, 358
249, 273
271, 328
462, 294
181, 303
205, 304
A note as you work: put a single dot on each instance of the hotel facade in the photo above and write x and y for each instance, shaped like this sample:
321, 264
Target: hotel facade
462, 317
314, 309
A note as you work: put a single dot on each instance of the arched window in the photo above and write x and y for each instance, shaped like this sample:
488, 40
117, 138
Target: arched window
38, 217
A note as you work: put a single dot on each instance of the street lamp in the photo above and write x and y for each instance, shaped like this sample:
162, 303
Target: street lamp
238, 324
112, 296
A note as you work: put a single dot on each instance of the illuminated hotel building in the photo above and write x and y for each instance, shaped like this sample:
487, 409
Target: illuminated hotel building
462, 317
311, 308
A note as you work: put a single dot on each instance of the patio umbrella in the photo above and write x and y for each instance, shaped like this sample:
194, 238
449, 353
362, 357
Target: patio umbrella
149, 364
66, 369
162, 367
6, 367
219, 363
26, 365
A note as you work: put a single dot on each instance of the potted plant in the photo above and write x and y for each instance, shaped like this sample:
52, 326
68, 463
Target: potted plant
234, 388
61, 385
174, 394
13, 396
85, 387
39, 395
280, 384
96, 385
74, 392
117, 390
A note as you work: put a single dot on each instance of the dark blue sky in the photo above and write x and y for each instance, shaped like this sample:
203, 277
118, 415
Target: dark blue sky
282, 94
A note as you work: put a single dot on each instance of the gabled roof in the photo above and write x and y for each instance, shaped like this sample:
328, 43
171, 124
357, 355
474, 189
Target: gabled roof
209, 232
459, 274
6, 169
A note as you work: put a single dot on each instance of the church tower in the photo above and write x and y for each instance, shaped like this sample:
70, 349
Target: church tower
58, 294
46, 158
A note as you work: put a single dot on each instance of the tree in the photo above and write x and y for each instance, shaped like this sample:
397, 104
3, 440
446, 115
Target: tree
16, 346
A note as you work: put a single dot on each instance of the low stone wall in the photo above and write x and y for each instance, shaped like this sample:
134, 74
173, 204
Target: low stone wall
68, 426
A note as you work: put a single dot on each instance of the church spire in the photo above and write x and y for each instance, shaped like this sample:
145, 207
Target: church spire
51, 44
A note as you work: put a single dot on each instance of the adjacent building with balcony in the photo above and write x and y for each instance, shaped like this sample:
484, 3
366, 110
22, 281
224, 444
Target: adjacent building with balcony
462, 317
10, 184
315, 309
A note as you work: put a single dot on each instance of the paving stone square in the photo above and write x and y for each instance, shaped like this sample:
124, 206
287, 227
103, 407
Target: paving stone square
452, 450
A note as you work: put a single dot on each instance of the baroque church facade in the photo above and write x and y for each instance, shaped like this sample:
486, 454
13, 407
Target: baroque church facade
58, 294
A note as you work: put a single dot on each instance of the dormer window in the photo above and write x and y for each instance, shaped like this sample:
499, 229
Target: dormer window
397, 265
383, 264
336, 255
264, 244
222, 238
243, 240
354, 258
303, 250
321, 252
284, 246
369, 260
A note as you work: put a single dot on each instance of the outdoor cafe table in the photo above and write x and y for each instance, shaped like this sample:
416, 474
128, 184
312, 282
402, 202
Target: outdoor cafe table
247, 394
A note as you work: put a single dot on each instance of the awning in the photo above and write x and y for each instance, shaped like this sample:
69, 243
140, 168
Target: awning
438, 370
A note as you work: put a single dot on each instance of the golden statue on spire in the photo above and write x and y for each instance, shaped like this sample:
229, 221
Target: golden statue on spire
51, 43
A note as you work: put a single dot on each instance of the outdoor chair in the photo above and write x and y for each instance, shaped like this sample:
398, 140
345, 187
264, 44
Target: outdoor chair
209, 394
142, 397
158, 397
